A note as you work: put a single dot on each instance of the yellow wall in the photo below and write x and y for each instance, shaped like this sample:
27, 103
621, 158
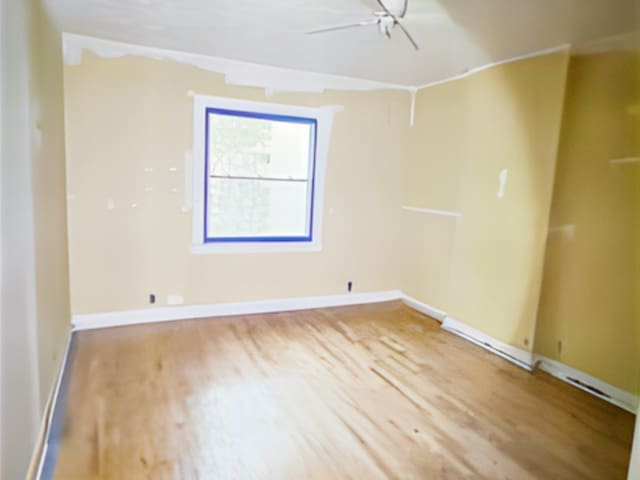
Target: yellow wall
487, 264
433, 169
428, 256
50, 206
499, 246
591, 283
34, 297
438, 146
129, 114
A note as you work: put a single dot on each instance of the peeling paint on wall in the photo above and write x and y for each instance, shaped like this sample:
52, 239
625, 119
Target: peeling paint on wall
238, 73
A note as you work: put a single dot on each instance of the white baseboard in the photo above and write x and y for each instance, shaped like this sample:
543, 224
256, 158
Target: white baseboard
42, 446
184, 312
424, 308
515, 355
583, 381
519, 357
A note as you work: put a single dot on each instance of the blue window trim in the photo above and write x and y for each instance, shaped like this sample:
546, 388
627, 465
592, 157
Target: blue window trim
313, 151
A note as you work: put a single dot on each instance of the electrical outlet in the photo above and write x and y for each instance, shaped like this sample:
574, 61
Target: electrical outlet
349, 286
152, 298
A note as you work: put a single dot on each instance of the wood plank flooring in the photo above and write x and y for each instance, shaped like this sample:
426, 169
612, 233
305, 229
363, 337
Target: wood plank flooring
367, 392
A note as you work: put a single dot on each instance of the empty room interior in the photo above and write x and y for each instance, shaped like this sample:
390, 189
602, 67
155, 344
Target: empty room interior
329, 239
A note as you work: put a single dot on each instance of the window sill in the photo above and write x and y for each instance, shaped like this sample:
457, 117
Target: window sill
257, 247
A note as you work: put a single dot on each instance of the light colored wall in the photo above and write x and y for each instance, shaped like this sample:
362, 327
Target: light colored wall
499, 247
50, 206
438, 146
129, 114
433, 169
592, 281
18, 335
634, 467
428, 256
34, 295
485, 268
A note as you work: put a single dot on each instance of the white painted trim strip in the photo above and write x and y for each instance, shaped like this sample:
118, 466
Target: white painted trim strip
431, 211
324, 117
569, 229
236, 72
634, 467
530, 361
621, 42
540, 53
185, 312
412, 109
428, 310
619, 161
517, 356
581, 380
51, 408
258, 75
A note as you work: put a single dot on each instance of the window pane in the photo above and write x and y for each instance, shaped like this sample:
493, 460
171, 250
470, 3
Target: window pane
252, 147
257, 208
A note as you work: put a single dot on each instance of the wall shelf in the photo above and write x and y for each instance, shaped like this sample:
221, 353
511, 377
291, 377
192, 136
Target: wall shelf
620, 161
431, 211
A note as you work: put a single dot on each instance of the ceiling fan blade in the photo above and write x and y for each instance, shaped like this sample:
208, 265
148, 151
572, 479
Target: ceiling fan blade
399, 13
408, 35
384, 7
363, 23
403, 11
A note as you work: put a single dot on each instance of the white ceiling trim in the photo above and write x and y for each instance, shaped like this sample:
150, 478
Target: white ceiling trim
454, 35
548, 51
272, 79
625, 42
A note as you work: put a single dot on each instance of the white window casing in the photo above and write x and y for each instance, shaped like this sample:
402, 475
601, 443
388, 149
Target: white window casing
324, 119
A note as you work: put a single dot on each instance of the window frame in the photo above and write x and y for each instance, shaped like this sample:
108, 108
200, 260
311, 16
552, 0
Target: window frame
321, 120
310, 182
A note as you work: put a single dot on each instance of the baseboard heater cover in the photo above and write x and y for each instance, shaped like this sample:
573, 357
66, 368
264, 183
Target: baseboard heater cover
592, 389
625, 400
530, 362
520, 358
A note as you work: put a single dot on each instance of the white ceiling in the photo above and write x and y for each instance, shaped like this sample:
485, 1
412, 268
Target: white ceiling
454, 35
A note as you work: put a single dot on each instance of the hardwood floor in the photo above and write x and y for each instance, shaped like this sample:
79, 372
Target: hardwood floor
366, 392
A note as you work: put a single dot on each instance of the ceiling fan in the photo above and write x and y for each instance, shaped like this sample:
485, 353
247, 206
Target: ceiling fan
386, 20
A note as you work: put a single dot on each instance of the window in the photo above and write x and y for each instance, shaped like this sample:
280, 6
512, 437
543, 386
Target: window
258, 175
